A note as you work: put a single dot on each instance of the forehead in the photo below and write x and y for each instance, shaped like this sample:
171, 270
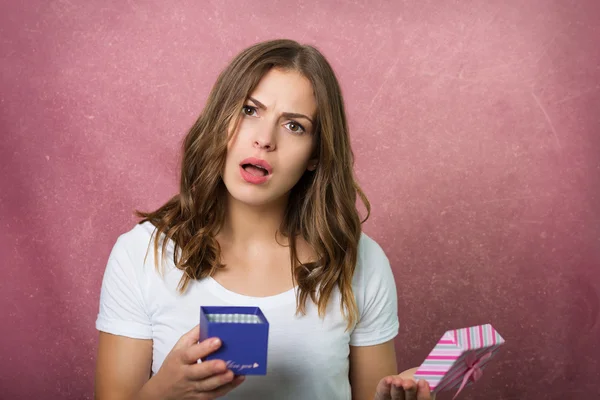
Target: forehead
286, 91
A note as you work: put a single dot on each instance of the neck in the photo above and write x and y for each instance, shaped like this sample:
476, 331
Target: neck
246, 224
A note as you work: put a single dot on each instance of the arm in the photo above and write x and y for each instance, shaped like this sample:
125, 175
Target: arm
125, 343
122, 367
373, 370
368, 365
124, 356
123, 370
372, 353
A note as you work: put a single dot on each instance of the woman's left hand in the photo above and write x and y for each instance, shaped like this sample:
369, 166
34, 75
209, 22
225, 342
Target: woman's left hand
403, 387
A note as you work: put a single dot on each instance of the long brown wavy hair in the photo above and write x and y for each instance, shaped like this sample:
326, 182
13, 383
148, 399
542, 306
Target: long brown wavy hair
321, 208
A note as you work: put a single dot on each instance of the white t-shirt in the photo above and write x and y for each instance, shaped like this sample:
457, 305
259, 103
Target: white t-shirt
307, 355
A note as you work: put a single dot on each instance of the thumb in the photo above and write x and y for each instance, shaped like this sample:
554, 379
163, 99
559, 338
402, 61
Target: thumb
189, 338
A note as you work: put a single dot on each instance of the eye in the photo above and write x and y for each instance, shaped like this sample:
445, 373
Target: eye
295, 127
249, 110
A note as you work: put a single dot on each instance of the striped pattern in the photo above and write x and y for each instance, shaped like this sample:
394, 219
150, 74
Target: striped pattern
234, 318
445, 367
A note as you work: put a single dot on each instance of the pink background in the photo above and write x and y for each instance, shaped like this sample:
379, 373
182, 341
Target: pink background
475, 125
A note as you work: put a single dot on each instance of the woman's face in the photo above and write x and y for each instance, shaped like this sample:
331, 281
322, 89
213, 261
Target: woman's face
272, 147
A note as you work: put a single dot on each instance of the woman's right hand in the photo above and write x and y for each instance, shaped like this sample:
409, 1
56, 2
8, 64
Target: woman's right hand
182, 377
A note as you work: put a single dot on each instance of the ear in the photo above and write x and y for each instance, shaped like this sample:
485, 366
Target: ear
312, 164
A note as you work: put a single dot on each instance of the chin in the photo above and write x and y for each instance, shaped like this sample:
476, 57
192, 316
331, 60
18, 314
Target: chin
249, 194
270, 193
252, 197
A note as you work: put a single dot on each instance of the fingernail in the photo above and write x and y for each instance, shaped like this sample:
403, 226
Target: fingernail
215, 342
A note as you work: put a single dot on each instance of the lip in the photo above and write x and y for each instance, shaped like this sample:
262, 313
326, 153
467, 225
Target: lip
257, 180
258, 162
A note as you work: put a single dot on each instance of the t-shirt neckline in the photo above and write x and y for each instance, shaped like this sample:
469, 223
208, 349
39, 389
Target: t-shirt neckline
240, 299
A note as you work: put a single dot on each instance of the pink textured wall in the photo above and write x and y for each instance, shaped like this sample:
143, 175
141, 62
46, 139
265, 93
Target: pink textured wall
476, 128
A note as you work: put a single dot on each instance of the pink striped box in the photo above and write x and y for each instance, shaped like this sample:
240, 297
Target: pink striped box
459, 357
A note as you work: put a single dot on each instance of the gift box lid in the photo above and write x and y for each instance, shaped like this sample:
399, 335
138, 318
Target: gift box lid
459, 353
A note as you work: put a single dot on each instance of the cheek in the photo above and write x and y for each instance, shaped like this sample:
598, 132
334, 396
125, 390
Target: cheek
231, 141
296, 162
231, 156
234, 140
233, 133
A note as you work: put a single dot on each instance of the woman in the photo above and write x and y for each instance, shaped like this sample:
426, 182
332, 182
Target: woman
265, 216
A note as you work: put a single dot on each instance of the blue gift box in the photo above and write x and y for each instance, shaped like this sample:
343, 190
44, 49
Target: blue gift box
244, 334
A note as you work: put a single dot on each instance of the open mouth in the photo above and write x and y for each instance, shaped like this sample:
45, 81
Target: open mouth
255, 170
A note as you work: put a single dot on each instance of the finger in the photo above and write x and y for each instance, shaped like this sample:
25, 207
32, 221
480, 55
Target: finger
409, 373
214, 382
397, 392
410, 389
200, 350
223, 390
205, 369
384, 389
188, 338
424, 391
195, 352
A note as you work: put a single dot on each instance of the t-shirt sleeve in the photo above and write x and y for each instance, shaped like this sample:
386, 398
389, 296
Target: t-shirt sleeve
122, 310
377, 298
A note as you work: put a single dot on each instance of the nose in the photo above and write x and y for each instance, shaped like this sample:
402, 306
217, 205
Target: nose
265, 140
263, 144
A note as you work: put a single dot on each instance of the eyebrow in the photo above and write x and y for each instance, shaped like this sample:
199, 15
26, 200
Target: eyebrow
285, 114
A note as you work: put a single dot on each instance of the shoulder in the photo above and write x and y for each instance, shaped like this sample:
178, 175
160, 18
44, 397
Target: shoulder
372, 260
376, 297
134, 249
373, 276
369, 248
123, 296
138, 240
139, 234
